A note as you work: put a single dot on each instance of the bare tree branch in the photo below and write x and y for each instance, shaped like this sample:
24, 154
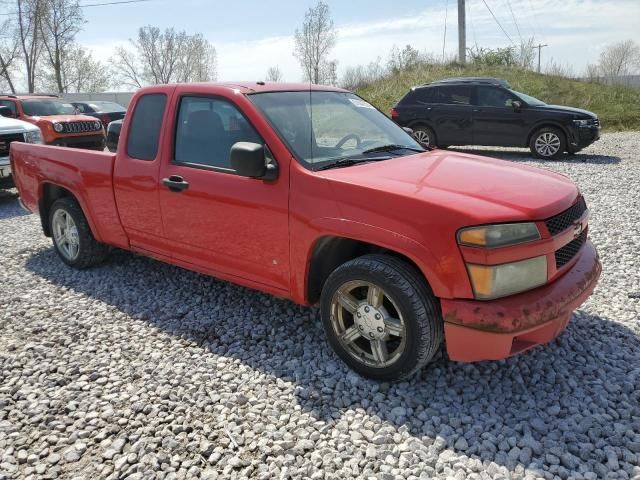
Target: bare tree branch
314, 42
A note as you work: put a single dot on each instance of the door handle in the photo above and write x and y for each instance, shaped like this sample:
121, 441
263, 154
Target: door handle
175, 183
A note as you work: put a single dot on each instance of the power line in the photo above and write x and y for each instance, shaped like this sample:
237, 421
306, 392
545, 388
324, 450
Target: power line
93, 5
473, 28
514, 20
499, 24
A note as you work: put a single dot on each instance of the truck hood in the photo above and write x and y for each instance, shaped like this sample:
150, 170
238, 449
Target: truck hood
63, 118
479, 187
577, 112
13, 125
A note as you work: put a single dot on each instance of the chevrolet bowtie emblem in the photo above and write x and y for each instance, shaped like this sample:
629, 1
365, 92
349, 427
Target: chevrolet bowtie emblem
577, 229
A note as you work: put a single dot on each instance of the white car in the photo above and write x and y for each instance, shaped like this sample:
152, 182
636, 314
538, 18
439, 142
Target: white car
12, 130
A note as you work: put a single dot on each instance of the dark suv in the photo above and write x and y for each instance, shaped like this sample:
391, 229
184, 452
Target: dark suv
486, 111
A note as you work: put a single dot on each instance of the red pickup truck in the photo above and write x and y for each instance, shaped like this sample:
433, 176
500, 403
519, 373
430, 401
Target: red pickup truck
312, 194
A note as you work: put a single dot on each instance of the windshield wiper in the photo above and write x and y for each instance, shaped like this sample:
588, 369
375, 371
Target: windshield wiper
391, 147
348, 161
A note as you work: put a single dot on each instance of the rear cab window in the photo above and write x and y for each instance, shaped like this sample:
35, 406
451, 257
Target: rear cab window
11, 105
146, 124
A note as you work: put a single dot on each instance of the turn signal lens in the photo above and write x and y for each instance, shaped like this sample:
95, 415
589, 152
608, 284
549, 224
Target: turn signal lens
498, 235
495, 281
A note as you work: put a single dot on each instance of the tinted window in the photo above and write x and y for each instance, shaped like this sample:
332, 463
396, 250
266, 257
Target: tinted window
452, 95
146, 123
43, 107
10, 104
207, 129
418, 96
80, 107
494, 97
107, 107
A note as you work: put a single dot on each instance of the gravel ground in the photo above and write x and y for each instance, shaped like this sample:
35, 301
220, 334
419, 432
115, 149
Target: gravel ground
137, 369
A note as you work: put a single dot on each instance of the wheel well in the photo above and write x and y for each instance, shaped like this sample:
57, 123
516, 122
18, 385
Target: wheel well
546, 125
50, 193
331, 252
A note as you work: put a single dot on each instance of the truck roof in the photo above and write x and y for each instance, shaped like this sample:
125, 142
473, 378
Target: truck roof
259, 86
29, 96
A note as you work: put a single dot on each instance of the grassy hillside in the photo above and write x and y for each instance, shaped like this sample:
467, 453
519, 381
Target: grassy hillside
617, 107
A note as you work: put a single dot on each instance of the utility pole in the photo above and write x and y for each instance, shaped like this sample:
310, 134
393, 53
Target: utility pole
462, 33
539, 46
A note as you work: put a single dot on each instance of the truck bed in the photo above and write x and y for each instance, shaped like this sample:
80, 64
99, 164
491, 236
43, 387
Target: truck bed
85, 173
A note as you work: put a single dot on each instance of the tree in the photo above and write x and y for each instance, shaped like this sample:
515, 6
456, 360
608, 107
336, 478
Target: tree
361, 76
60, 22
274, 74
9, 50
157, 57
79, 73
29, 37
314, 42
618, 59
403, 59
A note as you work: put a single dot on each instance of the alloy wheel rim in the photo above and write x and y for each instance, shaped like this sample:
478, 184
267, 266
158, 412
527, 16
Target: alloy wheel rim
422, 137
547, 144
368, 323
65, 234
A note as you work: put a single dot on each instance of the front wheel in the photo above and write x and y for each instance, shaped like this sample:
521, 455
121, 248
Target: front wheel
380, 317
424, 136
548, 143
72, 237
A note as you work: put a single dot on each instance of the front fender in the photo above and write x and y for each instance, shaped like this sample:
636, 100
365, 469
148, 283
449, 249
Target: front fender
437, 271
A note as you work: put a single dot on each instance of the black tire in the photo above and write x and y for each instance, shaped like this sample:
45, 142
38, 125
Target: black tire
416, 304
548, 143
90, 251
421, 132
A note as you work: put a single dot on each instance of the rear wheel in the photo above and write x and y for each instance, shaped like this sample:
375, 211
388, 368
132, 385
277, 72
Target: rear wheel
380, 317
72, 237
548, 143
424, 136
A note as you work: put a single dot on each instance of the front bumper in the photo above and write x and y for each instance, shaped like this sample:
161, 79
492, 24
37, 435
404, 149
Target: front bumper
93, 142
582, 137
496, 329
6, 180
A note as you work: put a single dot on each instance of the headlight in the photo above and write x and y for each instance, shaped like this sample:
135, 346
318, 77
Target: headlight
494, 281
58, 127
498, 235
33, 136
97, 124
583, 123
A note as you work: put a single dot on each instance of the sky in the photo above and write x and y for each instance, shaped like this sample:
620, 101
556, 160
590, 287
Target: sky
252, 35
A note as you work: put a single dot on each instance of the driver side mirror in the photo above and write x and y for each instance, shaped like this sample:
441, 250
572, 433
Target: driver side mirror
517, 105
249, 160
6, 112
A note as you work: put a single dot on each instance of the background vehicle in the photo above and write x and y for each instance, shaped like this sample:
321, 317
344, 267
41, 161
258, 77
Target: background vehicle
106, 112
486, 111
57, 120
312, 194
113, 133
12, 130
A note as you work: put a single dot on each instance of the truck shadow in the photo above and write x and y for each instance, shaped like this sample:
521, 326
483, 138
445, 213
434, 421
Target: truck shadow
538, 409
525, 156
9, 206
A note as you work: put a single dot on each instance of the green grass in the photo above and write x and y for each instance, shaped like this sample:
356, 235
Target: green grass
617, 107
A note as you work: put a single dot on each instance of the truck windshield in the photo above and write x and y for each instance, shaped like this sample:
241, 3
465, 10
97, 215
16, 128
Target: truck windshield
327, 128
42, 107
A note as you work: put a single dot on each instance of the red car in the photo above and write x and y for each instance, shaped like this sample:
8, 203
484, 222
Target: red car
312, 194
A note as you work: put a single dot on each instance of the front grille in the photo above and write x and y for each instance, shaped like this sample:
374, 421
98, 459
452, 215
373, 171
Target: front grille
80, 127
564, 220
5, 142
570, 250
